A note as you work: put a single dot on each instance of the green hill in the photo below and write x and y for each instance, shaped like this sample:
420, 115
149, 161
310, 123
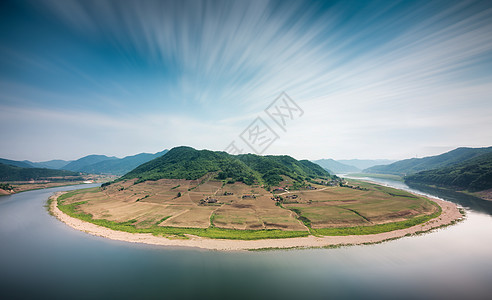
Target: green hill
271, 167
414, 165
335, 166
473, 174
191, 164
188, 163
13, 173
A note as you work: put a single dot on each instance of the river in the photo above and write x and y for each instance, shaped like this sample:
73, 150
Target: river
40, 257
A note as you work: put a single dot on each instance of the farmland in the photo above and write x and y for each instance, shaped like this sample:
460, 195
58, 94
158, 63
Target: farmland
213, 208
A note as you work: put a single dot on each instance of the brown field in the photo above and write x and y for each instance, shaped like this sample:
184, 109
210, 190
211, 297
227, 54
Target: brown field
370, 205
249, 207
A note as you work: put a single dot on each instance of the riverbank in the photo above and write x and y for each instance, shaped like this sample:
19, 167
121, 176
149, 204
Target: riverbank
374, 175
483, 195
450, 214
15, 188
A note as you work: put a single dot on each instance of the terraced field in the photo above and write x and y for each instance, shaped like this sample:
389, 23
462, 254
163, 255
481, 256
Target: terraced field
210, 204
366, 205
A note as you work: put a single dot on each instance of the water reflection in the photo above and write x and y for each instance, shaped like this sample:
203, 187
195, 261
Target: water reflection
41, 257
467, 201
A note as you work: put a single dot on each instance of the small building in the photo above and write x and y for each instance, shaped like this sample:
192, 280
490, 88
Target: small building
208, 200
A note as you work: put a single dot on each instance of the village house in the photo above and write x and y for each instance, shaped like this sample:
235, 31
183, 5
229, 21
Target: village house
208, 200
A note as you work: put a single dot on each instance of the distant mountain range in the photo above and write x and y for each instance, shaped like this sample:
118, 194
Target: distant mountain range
94, 164
20, 164
335, 167
84, 162
362, 164
462, 168
112, 165
191, 164
349, 165
51, 164
414, 165
15, 173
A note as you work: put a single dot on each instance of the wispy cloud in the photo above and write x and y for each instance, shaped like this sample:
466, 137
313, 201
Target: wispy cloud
363, 73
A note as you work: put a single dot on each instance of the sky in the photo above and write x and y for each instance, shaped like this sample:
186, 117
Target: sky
359, 79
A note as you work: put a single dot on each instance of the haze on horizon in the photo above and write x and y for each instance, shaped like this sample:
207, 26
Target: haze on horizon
375, 79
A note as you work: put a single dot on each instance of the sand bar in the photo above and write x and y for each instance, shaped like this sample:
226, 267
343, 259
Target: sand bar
450, 213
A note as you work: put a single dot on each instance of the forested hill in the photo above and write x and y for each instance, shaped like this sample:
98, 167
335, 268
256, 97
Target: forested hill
13, 173
474, 174
414, 165
191, 164
271, 167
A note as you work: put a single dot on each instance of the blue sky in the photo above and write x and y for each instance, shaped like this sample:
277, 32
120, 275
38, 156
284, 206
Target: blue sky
375, 79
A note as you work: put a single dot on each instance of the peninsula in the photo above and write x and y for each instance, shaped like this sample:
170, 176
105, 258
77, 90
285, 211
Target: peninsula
214, 200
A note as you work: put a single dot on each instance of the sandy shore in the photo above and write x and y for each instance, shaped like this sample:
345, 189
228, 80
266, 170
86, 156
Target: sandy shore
449, 214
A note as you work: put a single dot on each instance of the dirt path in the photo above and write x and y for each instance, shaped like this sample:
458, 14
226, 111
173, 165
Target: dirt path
288, 192
177, 215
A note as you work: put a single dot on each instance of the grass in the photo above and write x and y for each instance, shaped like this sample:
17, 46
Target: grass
212, 217
162, 220
48, 205
302, 218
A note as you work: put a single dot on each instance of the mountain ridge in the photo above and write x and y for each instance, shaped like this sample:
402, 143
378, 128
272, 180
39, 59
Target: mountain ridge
365, 163
120, 166
334, 166
414, 165
50, 164
82, 162
474, 174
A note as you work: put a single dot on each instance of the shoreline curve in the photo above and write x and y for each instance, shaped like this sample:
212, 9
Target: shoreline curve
450, 214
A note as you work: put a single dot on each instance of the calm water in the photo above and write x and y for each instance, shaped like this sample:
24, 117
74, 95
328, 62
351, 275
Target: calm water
41, 257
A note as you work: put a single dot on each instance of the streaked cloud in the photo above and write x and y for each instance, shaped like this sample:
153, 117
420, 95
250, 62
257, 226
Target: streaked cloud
393, 78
